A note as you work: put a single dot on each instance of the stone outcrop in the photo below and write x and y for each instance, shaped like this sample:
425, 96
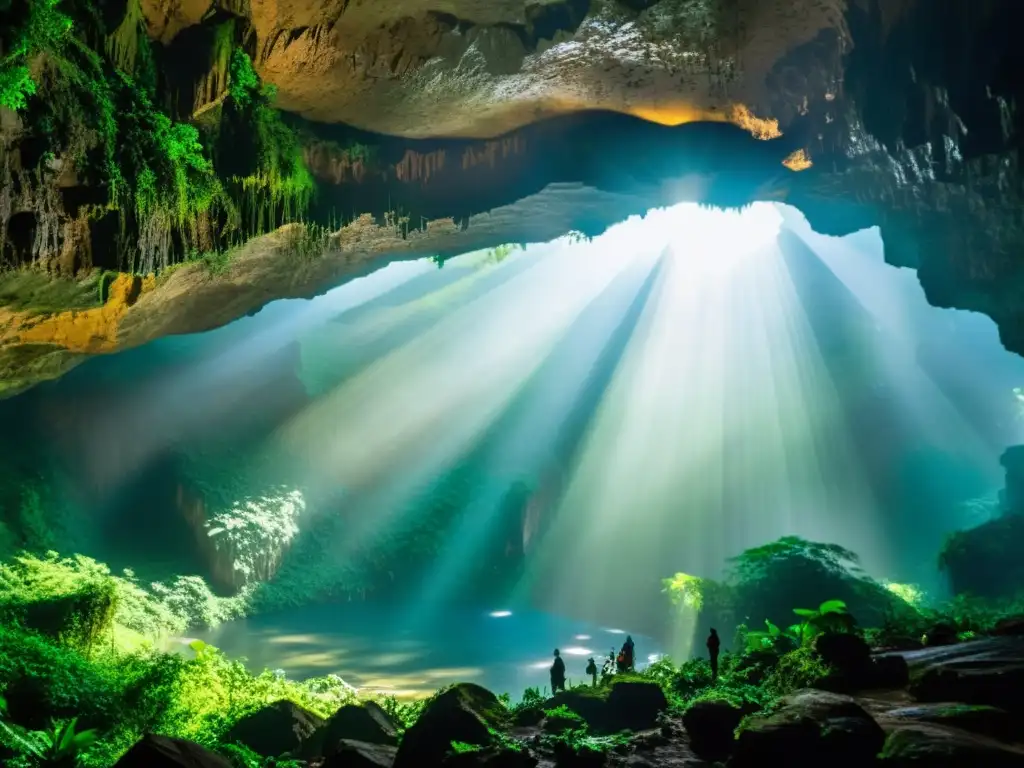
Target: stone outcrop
276, 729
883, 131
987, 672
810, 728
364, 723
465, 713
482, 67
164, 752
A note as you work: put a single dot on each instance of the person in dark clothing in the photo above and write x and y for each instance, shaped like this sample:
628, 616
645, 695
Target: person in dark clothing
714, 644
628, 655
609, 664
592, 670
557, 674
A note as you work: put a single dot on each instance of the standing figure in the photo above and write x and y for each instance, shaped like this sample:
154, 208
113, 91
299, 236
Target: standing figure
714, 643
592, 671
557, 674
627, 655
609, 664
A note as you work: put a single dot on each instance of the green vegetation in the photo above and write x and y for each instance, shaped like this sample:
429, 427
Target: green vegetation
32, 290
34, 27
764, 583
985, 561
268, 173
86, 88
79, 644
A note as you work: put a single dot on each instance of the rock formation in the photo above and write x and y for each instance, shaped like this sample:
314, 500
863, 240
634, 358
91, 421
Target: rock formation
483, 105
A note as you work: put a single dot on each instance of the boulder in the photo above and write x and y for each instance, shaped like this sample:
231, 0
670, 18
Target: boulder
624, 705
988, 671
845, 652
589, 703
987, 721
809, 728
276, 729
711, 726
849, 659
889, 671
365, 723
164, 752
635, 706
926, 745
359, 754
941, 634
464, 712
1011, 626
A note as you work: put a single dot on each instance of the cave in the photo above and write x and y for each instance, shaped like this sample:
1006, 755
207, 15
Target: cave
388, 348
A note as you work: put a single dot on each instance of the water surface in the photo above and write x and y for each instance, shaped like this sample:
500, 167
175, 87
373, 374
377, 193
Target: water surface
386, 649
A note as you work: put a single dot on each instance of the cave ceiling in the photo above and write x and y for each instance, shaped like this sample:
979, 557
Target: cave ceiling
478, 68
858, 112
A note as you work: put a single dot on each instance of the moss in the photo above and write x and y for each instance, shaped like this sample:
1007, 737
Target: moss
30, 290
984, 561
262, 158
30, 28
176, 190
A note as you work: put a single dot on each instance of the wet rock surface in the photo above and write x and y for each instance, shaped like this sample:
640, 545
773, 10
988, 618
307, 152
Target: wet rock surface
467, 727
359, 723
164, 752
988, 671
937, 747
358, 754
810, 728
276, 729
465, 713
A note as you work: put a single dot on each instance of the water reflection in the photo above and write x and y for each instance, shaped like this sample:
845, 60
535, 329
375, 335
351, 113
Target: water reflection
381, 649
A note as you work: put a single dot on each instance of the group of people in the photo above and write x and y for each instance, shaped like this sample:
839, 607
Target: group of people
624, 662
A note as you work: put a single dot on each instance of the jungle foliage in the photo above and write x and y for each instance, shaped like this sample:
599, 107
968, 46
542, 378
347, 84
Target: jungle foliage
80, 645
87, 84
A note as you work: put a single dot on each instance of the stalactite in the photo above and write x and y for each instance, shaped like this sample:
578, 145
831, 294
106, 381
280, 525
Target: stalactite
6, 197
214, 83
415, 166
122, 44
154, 245
46, 204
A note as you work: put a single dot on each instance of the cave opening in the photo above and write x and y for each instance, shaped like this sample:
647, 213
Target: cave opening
552, 427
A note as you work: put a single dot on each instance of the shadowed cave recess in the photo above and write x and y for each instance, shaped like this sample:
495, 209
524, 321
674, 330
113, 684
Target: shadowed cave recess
355, 356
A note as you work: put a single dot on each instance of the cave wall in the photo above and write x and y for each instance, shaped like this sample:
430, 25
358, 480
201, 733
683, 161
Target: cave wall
925, 142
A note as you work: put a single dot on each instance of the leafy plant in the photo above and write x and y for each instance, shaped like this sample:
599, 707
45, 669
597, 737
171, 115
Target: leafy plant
773, 638
830, 616
34, 26
62, 744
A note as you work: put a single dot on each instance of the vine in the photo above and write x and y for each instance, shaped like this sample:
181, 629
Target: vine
90, 106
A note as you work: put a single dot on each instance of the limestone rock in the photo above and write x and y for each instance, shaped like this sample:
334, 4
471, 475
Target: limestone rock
711, 726
988, 671
810, 728
364, 723
987, 721
164, 752
932, 746
276, 729
483, 67
359, 754
622, 705
464, 712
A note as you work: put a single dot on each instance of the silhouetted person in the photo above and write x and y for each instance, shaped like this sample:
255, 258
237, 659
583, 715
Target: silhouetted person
557, 674
592, 670
627, 657
714, 644
609, 664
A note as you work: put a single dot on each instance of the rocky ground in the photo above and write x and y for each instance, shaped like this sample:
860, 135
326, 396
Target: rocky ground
938, 707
